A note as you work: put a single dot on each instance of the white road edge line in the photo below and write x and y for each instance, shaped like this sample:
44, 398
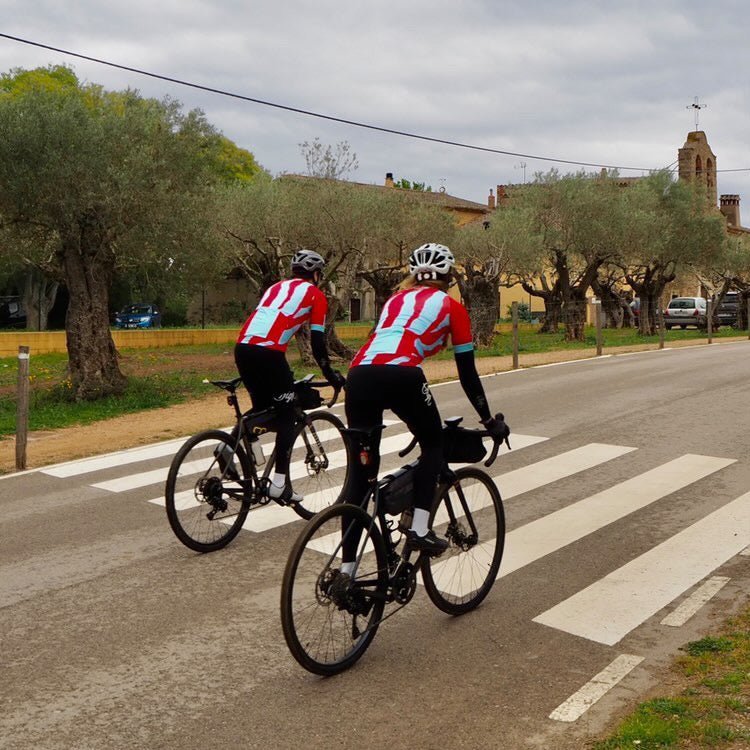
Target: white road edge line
695, 601
595, 689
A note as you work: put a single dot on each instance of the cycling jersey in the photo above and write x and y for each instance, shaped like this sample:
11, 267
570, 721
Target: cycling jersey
281, 311
415, 323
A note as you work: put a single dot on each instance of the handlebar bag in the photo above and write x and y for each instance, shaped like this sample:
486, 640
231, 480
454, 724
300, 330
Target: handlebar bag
307, 397
462, 446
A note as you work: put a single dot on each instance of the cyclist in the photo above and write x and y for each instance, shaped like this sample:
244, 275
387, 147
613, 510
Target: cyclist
261, 360
386, 373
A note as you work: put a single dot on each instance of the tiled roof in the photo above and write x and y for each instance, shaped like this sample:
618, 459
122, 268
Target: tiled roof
435, 198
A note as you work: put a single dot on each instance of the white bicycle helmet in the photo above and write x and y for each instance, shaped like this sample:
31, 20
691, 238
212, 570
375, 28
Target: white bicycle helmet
307, 261
430, 261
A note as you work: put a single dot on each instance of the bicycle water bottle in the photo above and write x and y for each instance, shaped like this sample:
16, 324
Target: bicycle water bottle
257, 449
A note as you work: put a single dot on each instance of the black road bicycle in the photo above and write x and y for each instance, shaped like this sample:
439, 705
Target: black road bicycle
216, 477
330, 618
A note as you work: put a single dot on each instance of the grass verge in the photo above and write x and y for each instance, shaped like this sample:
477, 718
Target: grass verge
163, 377
711, 710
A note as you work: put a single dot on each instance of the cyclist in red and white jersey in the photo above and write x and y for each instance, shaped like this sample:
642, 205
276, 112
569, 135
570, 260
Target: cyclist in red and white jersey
260, 353
416, 322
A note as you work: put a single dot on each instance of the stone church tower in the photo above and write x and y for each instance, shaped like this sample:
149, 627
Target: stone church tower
697, 163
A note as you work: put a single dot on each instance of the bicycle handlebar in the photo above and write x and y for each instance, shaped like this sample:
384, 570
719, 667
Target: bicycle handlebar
326, 384
483, 433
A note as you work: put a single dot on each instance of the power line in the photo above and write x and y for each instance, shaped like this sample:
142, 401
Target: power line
331, 118
319, 115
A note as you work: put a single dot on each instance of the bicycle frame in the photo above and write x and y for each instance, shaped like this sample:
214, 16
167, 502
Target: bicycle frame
257, 485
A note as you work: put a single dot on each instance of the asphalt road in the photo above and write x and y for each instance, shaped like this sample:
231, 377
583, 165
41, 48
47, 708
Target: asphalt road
626, 528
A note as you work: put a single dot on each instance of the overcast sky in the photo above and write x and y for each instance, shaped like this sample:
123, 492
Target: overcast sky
602, 82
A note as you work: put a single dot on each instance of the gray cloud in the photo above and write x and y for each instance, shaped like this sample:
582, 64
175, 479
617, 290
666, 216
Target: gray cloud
587, 81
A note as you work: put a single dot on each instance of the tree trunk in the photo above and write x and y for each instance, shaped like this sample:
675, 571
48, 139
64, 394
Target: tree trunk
574, 314
613, 305
94, 370
480, 295
383, 282
39, 294
552, 299
303, 344
336, 347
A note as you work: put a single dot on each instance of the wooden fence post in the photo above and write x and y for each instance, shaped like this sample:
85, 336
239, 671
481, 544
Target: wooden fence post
22, 407
598, 321
514, 318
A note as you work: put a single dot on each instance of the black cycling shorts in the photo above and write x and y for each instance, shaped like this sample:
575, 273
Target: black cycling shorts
370, 389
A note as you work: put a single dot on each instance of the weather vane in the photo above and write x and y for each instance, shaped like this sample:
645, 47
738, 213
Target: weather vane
697, 107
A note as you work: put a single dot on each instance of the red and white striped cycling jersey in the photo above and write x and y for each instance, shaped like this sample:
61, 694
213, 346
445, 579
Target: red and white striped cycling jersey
281, 311
415, 323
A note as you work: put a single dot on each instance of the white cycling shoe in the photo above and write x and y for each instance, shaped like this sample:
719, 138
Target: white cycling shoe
285, 494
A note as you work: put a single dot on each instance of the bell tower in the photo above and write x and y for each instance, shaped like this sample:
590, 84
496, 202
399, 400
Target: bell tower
697, 163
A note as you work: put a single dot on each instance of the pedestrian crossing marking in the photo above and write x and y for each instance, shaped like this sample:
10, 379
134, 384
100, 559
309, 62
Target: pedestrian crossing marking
695, 601
533, 476
558, 467
607, 610
596, 688
563, 527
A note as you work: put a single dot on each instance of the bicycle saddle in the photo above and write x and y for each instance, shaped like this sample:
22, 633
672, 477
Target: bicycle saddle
227, 385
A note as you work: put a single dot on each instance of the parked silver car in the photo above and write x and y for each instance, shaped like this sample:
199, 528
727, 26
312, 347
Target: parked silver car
684, 312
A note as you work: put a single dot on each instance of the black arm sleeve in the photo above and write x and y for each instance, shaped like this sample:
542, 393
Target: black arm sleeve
320, 352
472, 385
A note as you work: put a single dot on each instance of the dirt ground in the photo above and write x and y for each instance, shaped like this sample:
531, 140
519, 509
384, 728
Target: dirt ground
142, 428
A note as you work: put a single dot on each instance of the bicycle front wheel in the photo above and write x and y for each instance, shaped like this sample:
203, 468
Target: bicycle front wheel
329, 619
469, 514
318, 462
205, 497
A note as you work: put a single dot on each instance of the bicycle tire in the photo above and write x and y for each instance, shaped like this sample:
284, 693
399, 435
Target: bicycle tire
469, 513
322, 627
206, 505
315, 463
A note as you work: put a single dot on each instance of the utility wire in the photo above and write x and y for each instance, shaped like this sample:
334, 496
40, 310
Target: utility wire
331, 118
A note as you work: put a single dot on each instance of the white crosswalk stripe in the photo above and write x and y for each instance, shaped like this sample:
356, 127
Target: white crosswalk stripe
609, 609
556, 530
604, 611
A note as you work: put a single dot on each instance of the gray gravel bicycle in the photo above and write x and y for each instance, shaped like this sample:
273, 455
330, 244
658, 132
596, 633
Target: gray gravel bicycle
217, 477
330, 618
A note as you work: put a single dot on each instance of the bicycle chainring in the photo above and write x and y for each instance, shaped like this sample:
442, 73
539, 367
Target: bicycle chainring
404, 583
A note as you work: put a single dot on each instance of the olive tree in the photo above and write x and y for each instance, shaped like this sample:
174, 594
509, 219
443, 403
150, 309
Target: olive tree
560, 231
105, 178
669, 231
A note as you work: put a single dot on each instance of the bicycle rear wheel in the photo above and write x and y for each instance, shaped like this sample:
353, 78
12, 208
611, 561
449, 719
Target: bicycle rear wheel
469, 514
206, 502
319, 462
329, 620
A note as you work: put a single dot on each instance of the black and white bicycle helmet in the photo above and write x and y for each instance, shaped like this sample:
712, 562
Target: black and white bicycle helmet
431, 261
307, 261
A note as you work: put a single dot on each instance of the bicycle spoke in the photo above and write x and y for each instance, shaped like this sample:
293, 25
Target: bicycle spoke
204, 497
469, 514
328, 619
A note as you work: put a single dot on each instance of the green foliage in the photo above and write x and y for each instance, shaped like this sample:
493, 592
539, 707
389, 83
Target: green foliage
328, 162
709, 644
419, 187
524, 312
711, 711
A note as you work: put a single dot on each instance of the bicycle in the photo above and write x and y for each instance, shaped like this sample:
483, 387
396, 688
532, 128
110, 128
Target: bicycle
329, 618
214, 478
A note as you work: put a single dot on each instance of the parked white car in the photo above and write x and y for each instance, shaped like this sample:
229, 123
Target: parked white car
684, 312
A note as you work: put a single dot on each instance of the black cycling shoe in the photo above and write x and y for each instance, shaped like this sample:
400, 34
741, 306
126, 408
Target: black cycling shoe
430, 543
